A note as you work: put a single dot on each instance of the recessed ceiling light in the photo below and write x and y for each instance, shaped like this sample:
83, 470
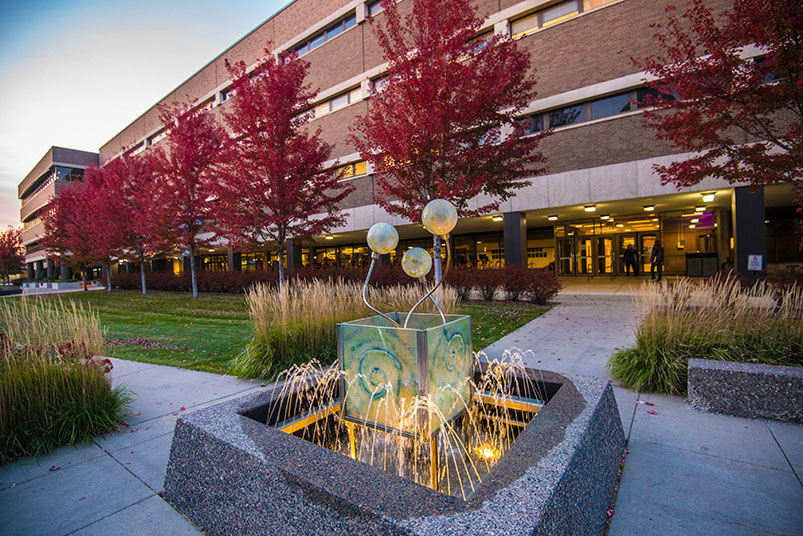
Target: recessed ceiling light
498, 217
709, 198
649, 208
695, 220
605, 217
329, 237
590, 208
692, 226
620, 224
699, 209
552, 217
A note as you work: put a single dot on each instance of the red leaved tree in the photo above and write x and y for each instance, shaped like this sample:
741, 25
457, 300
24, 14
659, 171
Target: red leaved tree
185, 173
736, 81
131, 191
12, 253
276, 187
444, 124
69, 236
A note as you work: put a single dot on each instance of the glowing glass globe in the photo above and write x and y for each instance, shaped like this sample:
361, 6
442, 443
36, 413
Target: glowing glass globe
416, 262
439, 217
382, 238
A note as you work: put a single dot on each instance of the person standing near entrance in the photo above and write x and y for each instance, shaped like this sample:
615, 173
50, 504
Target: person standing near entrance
631, 260
656, 260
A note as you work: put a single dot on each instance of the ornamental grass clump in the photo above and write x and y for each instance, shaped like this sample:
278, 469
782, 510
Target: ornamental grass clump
298, 322
54, 390
715, 319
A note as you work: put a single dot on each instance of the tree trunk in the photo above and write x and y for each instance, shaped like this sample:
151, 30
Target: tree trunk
192, 271
83, 278
438, 265
281, 263
142, 273
108, 270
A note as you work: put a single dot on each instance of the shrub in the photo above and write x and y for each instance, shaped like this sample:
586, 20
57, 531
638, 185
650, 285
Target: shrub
717, 319
463, 280
53, 388
542, 285
786, 278
488, 282
516, 281
297, 323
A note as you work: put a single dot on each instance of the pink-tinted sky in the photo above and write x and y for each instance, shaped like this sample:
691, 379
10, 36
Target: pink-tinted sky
74, 73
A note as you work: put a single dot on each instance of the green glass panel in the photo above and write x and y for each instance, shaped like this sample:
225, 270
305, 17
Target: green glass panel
449, 359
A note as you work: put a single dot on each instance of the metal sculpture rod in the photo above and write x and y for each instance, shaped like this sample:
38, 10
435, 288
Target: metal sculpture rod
365, 292
438, 284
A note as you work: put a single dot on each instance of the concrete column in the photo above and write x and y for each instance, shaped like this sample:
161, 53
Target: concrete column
66, 273
129, 267
51, 269
515, 239
40, 270
187, 268
749, 234
31, 271
159, 265
293, 252
235, 261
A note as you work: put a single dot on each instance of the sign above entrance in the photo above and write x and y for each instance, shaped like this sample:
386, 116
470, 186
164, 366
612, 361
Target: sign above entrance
755, 262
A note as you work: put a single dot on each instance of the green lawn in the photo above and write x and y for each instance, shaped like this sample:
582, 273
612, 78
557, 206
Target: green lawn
170, 328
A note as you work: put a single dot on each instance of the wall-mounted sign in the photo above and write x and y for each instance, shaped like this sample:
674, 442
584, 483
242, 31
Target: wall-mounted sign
755, 262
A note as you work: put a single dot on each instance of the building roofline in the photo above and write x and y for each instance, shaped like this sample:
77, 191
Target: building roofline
205, 65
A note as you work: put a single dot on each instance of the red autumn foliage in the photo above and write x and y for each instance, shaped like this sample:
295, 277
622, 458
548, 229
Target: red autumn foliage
12, 253
444, 124
185, 167
737, 83
276, 187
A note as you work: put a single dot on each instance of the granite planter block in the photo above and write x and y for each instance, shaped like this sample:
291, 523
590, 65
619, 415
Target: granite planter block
746, 390
231, 474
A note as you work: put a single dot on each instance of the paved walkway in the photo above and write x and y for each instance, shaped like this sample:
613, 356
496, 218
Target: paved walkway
687, 473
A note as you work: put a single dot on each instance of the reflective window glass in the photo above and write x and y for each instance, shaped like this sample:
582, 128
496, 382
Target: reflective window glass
615, 104
349, 22
559, 12
334, 30
317, 40
566, 116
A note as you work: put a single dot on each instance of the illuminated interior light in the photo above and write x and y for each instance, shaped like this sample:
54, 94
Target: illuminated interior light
552, 218
695, 220
699, 209
329, 237
692, 226
498, 217
605, 217
590, 208
709, 198
649, 208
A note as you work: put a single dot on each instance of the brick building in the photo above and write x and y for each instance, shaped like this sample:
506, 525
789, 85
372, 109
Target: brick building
600, 194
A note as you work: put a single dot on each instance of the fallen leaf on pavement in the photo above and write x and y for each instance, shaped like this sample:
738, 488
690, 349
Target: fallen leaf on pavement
652, 412
55, 467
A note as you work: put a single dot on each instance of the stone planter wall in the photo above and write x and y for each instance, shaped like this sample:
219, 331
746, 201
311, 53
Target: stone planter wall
746, 390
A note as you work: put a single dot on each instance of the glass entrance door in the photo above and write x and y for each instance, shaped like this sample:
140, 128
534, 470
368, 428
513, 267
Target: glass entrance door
624, 241
585, 255
566, 256
647, 242
605, 255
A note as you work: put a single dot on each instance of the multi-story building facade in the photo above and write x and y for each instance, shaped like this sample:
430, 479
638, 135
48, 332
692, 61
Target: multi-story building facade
600, 194
57, 168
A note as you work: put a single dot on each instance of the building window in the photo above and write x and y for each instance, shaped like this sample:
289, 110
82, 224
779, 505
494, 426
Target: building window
338, 102
532, 123
374, 7
215, 263
352, 170
645, 94
252, 262
135, 150
156, 138
524, 26
379, 84
559, 12
328, 33
591, 4
612, 105
567, 115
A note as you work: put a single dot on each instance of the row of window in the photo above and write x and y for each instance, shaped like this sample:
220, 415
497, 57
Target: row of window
556, 13
588, 111
335, 103
352, 170
57, 173
323, 36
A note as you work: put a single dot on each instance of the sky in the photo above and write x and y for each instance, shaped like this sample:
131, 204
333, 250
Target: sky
74, 73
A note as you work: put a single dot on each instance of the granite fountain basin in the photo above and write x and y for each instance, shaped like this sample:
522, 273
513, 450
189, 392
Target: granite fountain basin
230, 472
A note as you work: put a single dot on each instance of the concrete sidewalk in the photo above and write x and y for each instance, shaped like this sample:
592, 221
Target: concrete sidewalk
687, 473
111, 485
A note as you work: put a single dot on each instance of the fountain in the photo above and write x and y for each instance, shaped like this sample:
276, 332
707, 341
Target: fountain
408, 433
